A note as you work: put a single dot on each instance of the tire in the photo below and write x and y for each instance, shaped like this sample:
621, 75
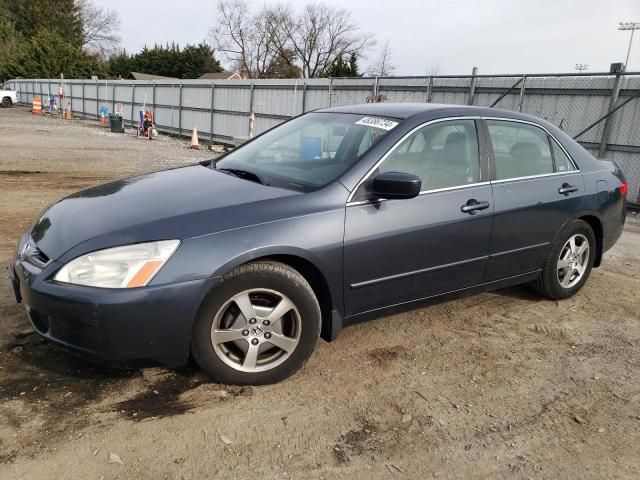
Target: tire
6, 102
239, 350
563, 280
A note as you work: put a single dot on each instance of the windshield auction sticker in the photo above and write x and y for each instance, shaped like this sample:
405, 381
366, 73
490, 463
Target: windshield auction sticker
377, 122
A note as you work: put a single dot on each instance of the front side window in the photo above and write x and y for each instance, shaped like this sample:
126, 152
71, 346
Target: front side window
443, 154
307, 152
519, 149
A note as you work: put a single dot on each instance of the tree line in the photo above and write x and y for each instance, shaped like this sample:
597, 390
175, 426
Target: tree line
43, 38
169, 61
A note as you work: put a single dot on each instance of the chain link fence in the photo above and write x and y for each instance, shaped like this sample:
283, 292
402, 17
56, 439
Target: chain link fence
601, 111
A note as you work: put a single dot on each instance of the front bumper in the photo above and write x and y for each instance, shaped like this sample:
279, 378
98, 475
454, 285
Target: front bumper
134, 326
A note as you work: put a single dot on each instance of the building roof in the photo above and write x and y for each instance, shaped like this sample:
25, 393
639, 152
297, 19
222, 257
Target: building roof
147, 76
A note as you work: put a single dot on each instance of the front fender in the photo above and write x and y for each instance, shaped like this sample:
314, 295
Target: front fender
316, 238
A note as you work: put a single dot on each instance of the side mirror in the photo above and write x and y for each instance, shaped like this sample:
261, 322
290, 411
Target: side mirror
395, 185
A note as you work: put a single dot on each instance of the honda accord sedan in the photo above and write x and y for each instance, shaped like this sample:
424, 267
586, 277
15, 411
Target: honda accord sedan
334, 217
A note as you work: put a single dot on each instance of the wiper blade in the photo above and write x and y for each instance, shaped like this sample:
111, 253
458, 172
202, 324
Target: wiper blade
245, 175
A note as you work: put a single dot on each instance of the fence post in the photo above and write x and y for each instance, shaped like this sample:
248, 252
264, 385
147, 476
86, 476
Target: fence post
83, 113
97, 98
615, 92
251, 113
133, 101
213, 88
304, 97
430, 89
180, 111
472, 85
521, 101
113, 96
375, 87
153, 99
330, 89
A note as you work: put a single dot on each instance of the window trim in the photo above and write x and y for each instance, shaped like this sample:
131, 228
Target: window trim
403, 138
549, 136
533, 177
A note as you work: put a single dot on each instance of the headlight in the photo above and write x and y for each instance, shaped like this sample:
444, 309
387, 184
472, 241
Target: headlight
119, 267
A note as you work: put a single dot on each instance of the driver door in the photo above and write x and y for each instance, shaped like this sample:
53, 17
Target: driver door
397, 251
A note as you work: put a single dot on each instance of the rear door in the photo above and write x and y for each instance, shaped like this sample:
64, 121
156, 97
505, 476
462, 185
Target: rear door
536, 190
397, 251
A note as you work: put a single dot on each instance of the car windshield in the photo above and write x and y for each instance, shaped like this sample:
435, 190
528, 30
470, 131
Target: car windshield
307, 152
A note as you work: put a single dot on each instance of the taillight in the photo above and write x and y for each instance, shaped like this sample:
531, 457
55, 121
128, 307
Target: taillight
624, 188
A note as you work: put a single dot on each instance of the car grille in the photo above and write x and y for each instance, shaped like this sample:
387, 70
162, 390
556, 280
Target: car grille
32, 254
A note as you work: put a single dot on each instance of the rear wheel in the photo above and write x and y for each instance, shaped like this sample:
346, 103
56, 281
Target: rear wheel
259, 325
6, 102
570, 262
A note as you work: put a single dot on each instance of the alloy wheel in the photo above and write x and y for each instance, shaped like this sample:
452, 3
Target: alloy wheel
573, 260
256, 330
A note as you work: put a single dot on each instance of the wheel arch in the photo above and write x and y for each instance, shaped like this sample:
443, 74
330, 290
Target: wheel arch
596, 225
309, 269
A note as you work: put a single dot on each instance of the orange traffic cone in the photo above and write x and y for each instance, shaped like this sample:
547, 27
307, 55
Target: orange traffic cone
194, 139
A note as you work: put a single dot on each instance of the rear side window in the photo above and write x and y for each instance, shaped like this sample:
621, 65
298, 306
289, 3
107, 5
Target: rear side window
520, 150
563, 163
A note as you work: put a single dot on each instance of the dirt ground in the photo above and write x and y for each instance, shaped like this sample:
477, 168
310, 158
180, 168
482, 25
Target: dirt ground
500, 385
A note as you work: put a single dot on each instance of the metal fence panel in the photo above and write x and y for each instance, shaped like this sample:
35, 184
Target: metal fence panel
220, 110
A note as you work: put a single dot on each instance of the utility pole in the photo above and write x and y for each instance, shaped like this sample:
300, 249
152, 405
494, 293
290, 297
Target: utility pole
633, 26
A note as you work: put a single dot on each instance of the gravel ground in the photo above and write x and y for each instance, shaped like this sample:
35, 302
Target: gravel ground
500, 385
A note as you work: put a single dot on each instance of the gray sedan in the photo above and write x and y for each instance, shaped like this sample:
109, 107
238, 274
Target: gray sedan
334, 217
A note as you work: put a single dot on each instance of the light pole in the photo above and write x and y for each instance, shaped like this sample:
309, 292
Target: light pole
633, 26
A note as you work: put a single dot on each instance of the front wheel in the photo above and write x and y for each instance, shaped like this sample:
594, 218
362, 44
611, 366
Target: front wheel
259, 325
6, 102
570, 262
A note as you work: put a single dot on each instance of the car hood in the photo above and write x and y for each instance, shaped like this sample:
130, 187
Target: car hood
177, 203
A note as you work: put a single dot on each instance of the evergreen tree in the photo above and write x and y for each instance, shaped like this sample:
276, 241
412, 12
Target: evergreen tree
43, 38
198, 59
353, 66
10, 42
61, 17
47, 55
341, 68
119, 65
168, 61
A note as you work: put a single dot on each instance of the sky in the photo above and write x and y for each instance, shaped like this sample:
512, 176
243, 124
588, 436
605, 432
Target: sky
436, 36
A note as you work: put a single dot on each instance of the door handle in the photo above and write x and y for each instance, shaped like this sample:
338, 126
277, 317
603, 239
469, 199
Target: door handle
472, 206
566, 189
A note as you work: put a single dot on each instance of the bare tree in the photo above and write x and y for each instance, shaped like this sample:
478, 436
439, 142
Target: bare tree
245, 39
311, 40
100, 28
318, 36
382, 67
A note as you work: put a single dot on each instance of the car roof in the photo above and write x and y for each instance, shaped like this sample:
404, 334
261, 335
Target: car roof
406, 110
